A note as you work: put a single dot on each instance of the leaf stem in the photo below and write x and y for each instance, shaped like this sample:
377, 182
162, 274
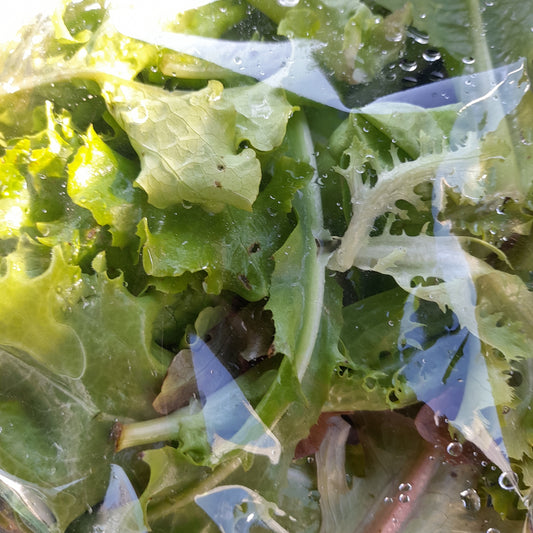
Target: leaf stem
160, 509
308, 206
159, 429
400, 513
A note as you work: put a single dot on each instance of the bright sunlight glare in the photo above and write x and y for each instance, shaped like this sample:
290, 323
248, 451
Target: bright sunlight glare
22, 13
25, 12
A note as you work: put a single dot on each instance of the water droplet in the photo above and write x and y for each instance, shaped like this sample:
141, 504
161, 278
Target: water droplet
405, 487
395, 38
237, 60
493, 530
508, 480
419, 36
388, 499
390, 323
404, 498
431, 55
454, 449
288, 3
471, 500
468, 60
407, 66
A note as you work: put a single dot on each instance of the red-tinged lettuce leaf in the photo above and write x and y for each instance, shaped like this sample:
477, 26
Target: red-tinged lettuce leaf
294, 397
406, 486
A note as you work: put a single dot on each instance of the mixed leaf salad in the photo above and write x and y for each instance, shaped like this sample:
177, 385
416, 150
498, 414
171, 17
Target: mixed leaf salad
267, 266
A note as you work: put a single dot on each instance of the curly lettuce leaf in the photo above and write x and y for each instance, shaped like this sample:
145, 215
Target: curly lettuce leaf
101, 181
23, 322
57, 373
14, 196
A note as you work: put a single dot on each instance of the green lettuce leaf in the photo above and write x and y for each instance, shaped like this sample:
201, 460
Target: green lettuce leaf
484, 34
233, 247
101, 181
358, 43
68, 340
14, 196
206, 166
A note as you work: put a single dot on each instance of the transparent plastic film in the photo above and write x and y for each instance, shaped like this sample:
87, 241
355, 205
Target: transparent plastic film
293, 243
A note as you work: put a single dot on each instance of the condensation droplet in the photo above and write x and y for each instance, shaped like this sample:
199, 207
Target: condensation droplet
468, 60
419, 36
404, 498
454, 449
288, 3
493, 530
388, 499
508, 480
405, 487
407, 66
431, 55
471, 500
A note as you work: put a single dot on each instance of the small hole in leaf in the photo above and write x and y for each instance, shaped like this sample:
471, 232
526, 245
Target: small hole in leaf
515, 379
245, 282
254, 247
